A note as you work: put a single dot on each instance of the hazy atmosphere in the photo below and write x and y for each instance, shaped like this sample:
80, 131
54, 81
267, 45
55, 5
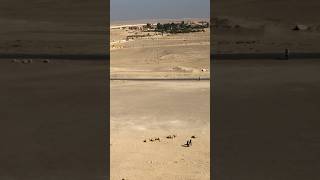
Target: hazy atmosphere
151, 9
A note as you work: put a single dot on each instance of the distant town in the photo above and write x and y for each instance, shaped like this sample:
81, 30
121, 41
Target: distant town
180, 27
172, 27
149, 30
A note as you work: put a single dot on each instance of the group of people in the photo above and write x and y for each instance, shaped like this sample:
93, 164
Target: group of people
189, 143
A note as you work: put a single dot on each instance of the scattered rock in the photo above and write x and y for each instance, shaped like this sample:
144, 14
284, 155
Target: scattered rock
26, 61
300, 27
193, 137
15, 61
46, 61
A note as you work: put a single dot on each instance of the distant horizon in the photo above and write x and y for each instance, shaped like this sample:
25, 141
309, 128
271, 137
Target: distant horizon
128, 10
154, 19
159, 18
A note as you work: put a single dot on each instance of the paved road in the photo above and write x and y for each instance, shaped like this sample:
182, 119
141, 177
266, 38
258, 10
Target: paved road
56, 56
269, 56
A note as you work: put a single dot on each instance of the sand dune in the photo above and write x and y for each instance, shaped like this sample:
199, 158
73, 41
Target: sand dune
269, 24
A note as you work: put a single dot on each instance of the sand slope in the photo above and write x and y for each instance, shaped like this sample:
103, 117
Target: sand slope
268, 23
48, 26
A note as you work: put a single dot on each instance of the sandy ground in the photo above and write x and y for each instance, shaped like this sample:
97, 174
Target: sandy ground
264, 26
266, 116
143, 110
266, 119
68, 27
52, 120
53, 115
181, 55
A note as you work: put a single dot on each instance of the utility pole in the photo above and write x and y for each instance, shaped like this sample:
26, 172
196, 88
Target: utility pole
153, 50
158, 50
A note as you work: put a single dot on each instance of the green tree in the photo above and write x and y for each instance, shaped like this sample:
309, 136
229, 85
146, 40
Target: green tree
159, 27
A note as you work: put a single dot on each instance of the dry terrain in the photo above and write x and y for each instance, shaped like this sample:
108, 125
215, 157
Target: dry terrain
266, 119
168, 56
148, 110
266, 116
52, 27
143, 111
53, 118
257, 26
53, 113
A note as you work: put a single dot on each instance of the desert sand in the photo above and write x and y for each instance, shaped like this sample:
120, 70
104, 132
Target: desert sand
53, 115
168, 56
143, 111
266, 119
51, 27
261, 26
265, 110
53, 118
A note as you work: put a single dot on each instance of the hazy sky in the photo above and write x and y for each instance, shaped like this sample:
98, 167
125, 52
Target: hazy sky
152, 9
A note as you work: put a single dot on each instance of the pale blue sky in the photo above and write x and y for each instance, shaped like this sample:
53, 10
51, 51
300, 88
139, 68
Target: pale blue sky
154, 9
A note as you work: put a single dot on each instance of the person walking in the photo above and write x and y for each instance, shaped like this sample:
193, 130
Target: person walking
286, 53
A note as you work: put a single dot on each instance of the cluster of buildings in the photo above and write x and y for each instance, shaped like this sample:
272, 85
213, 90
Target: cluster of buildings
129, 27
142, 30
172, 27
182, 27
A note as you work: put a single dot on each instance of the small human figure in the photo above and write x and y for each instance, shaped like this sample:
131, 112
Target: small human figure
286, 53
190, 142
